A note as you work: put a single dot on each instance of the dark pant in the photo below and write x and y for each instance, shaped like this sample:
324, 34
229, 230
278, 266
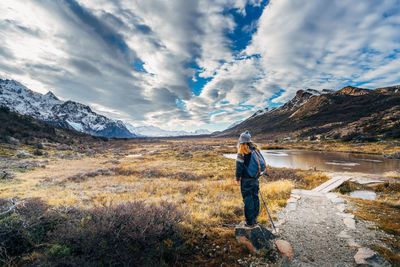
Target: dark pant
249, 189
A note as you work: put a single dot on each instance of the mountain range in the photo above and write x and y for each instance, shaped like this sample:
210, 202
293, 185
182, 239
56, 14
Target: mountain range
350, 113
153, 131
73, 115
68, 114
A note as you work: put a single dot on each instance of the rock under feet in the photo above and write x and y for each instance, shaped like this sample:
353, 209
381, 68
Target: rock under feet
254, 238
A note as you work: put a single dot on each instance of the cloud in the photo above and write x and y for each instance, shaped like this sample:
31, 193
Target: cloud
326, 44
307, 44
193, 64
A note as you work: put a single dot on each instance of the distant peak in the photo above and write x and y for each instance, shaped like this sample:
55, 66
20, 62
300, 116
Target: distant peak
10, 82
327, 91
51, 95
313, 91
72, 106
354, 91
301, 92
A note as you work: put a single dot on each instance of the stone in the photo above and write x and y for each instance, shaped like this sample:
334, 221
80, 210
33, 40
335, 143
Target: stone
13, 141
295, 196
344, 234
352, 243
311, 193
341, 207
254, 238
291, 206
331, 195
368, 257
284, 248
346, 215
338, 200
23, 154
350, 223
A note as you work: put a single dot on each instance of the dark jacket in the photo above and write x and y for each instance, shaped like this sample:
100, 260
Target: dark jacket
242, 162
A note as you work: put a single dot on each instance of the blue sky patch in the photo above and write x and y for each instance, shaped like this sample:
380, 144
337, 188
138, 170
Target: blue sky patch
245, 25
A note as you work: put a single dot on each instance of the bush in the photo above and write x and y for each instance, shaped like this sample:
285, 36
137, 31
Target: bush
39, 146
276, 174
131, 234
38, 152
25, 227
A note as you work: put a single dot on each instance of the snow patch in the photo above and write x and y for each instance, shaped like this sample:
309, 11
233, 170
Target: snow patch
75, 125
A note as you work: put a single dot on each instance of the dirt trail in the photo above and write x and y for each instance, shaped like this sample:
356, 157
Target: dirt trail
321, 233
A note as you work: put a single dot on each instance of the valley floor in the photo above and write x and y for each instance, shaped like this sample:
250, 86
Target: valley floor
189, 174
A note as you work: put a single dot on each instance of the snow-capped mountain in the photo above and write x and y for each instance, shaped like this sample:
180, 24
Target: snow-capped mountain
153, 131
302, 96
68, 114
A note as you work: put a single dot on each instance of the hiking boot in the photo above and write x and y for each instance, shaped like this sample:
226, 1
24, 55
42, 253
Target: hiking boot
251, 225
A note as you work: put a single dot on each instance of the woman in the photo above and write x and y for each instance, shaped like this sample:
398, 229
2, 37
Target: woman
249, 186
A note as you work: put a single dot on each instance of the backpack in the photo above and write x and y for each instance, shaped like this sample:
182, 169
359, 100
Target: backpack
257, 165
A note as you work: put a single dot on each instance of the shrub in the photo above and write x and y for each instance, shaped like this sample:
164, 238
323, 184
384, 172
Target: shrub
275, 174
187, 176
131, 234
38, 152
80, 177
22, 229
58, 251
39, 146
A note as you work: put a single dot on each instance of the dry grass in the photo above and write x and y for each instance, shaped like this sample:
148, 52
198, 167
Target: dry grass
192, 174
387, 218
384, 212
392, 174
311, 179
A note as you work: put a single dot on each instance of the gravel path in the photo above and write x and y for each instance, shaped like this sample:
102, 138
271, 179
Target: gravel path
319, 230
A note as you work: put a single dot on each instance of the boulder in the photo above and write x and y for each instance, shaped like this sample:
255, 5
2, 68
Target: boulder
368, 257
284, 248
13, 141
254, 238
23, 154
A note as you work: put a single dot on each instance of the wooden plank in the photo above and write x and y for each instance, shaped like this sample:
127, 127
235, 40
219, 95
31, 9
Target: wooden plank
327, 183
331, 184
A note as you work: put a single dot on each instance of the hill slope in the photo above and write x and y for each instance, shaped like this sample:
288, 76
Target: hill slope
350, 113
26, 129
68, 114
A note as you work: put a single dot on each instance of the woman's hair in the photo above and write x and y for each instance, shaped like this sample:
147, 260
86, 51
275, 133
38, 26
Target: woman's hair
245, 148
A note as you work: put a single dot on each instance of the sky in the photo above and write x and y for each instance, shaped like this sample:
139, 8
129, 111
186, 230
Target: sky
196, 64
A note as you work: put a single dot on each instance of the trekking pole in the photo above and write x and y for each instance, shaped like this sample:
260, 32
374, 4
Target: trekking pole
269, 215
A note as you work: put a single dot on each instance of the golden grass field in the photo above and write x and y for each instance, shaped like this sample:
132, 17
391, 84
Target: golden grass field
190, 173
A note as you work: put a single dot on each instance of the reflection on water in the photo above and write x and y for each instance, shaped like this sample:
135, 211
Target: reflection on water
329, 161
364, 194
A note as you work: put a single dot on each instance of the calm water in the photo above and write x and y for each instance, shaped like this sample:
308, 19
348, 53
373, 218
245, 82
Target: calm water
364, 194
329, 161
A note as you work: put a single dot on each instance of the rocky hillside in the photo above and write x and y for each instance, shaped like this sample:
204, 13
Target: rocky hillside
69, 114
350, 113
16, 128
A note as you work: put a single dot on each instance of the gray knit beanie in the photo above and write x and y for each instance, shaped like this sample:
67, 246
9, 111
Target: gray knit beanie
245, 137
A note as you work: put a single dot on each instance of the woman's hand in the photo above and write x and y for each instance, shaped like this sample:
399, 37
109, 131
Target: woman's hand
237, 182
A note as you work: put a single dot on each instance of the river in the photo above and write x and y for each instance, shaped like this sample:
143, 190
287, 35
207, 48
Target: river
329, 161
